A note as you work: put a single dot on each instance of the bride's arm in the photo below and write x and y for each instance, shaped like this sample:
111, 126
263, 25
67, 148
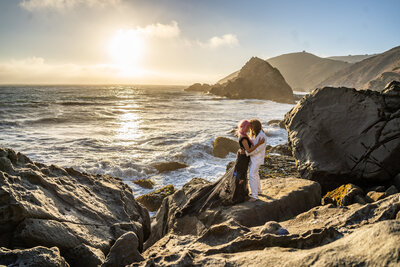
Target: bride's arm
251, 149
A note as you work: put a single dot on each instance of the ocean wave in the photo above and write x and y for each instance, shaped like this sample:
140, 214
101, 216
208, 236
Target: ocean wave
9, 123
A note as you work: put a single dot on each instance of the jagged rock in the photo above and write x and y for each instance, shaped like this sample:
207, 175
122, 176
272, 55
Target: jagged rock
37, 256
145, 183
391, 191
282, 198
169, 166
340, 135
257, 79
343, 195
51, 206
222, 146
323, 236
124, 251
152, 201
198, 87
375, 196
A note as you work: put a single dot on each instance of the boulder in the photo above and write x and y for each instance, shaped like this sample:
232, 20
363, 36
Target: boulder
169, 166
51, 206
152, 201
124, 251
37, 256
84, 255
222, 146
340, 135
343, 195
282, 149
145, 183
257, 79
282, 198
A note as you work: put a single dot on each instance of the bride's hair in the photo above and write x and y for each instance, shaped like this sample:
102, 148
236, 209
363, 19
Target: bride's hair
241, 126
255, 127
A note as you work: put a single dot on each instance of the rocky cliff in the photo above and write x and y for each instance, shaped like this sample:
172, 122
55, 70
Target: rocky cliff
257, 79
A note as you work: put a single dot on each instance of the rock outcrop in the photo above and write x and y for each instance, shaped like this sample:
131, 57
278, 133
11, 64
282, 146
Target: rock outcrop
80, 214
380, 82
198, 87
322, 236
282, 198
340, 135
257, 79
222, 146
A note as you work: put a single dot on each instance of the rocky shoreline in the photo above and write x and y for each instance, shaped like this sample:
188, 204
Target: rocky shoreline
316, 209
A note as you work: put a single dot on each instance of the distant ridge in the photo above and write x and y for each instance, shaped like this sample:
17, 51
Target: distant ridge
302, 70
359, 75
352, 58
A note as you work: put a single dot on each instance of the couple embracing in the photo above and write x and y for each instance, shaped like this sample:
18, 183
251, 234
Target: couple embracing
232, 187
252, 149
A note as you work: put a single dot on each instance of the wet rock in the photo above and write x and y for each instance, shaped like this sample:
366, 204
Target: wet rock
169, 166
343, 195
152, 201
375, 196
391, 191
145, 183
51, 206
332, 153
257, 79
124, 251
222, 146
37, 256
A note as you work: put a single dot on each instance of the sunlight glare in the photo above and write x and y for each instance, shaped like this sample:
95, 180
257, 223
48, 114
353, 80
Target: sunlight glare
126, 48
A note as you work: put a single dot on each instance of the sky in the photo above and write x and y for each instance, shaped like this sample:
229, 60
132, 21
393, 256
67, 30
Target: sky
179, 41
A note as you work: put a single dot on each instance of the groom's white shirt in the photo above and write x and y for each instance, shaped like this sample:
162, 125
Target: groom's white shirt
257, 155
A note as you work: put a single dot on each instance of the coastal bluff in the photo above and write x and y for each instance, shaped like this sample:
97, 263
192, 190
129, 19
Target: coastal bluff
257, 79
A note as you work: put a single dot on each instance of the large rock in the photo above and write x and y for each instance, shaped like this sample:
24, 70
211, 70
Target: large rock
283, 198
124, 251
257, 79
340, 135
37, 256
222, 146
50, 206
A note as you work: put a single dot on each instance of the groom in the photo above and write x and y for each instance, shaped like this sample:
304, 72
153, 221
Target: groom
256, 158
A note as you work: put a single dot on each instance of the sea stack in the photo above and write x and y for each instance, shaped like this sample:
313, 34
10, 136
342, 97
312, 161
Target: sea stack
257, 79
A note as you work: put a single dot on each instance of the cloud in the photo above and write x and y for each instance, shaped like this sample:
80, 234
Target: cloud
160, 30
229, 40
33, 5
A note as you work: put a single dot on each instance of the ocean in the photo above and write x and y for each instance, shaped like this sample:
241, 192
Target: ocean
123, 130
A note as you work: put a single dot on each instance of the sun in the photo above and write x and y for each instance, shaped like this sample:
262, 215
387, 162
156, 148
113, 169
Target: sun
126, 49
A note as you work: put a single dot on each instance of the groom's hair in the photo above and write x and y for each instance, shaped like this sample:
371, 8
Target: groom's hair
255, 127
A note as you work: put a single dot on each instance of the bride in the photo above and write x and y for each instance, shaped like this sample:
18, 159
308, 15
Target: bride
232, 187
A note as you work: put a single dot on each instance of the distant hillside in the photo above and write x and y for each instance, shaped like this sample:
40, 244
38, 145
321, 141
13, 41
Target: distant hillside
352, 58
361, 73
302, 71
